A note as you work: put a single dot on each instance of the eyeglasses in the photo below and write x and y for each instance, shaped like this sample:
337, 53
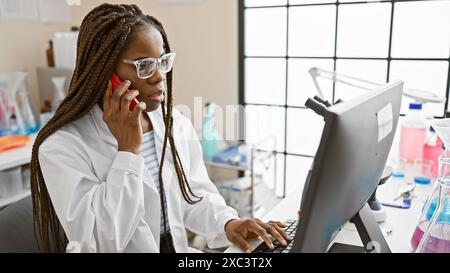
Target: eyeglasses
147, 67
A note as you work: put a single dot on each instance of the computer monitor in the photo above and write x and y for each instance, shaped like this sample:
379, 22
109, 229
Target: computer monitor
346, 171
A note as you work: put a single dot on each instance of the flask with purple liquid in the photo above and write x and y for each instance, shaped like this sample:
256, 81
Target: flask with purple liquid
432, 234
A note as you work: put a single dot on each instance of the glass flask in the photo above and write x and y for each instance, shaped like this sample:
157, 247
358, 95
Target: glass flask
432, 234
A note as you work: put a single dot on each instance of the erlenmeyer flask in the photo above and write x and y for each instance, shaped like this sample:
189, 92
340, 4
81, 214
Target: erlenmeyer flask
442, 128
432, 234
444, 165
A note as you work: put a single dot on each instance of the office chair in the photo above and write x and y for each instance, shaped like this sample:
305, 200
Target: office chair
16, 228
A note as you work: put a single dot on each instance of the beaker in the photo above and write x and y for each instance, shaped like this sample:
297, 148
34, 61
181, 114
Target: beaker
423, 171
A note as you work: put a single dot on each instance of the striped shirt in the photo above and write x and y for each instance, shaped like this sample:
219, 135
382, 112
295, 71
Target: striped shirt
148, 152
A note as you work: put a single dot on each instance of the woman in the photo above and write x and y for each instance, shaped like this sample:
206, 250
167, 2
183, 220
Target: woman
116, 180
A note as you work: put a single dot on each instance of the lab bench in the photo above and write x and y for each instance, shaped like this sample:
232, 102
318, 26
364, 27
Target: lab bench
16, 158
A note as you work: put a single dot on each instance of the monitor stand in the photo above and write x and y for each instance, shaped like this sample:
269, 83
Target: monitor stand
377, 209
369, 232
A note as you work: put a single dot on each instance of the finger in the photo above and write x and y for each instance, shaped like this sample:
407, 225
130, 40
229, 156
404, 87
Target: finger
138, 110
261, 232
272, 230
243, 244
282, 232
107, 99
280, 227
117, 95
126, 101
280, 224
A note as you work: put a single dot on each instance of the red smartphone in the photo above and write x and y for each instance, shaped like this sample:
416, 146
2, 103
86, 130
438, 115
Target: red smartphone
115, 81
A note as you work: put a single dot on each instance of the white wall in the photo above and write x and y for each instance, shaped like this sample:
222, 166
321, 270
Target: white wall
205, 37
23, 46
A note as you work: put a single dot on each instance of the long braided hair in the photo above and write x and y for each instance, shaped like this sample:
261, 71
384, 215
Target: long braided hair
103, 34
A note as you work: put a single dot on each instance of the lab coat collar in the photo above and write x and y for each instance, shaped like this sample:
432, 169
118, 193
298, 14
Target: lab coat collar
157, 120
103, 130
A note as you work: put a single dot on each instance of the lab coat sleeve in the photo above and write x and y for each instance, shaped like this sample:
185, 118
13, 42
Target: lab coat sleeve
208, 217
100, 215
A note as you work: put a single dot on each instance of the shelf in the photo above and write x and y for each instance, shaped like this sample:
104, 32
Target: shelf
5, 201
12, 159
16, 158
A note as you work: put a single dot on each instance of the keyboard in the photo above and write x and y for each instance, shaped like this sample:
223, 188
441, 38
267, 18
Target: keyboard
290, 229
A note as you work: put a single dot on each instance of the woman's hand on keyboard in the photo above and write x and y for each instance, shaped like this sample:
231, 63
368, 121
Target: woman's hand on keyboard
238, 231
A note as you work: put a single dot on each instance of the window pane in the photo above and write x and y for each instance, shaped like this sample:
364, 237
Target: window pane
304, 131
421, 30
363, 30
281, 161
267, 169
264, 3
312, 31
429, 76
370, 70
302, 2
263, 122
265, 81
297, 168
301, 85
265, 32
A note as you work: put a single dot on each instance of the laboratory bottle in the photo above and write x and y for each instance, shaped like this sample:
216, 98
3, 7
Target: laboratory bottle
209, 134
413, 134
432, 150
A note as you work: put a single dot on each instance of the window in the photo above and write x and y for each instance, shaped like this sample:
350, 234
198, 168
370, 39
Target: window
280, 40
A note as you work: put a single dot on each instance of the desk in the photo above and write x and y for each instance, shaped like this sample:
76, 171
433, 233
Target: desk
16, 157
397, 229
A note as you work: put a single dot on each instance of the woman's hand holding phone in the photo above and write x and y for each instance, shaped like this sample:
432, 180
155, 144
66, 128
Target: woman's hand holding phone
116, 81
123, 124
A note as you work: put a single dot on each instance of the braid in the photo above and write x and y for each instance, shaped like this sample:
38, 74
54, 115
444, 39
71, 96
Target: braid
103, 34
167, 107
168, 121
99, 45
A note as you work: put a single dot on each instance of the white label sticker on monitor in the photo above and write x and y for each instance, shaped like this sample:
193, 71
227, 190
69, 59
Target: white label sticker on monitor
385, 119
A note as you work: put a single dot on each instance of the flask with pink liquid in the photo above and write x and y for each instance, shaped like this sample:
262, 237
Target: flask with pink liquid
432, 234
432, 150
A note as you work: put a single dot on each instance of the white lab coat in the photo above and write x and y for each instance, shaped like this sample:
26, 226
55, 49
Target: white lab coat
108, 202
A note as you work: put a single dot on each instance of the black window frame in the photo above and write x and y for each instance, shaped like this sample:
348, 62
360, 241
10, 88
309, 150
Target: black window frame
243, 57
